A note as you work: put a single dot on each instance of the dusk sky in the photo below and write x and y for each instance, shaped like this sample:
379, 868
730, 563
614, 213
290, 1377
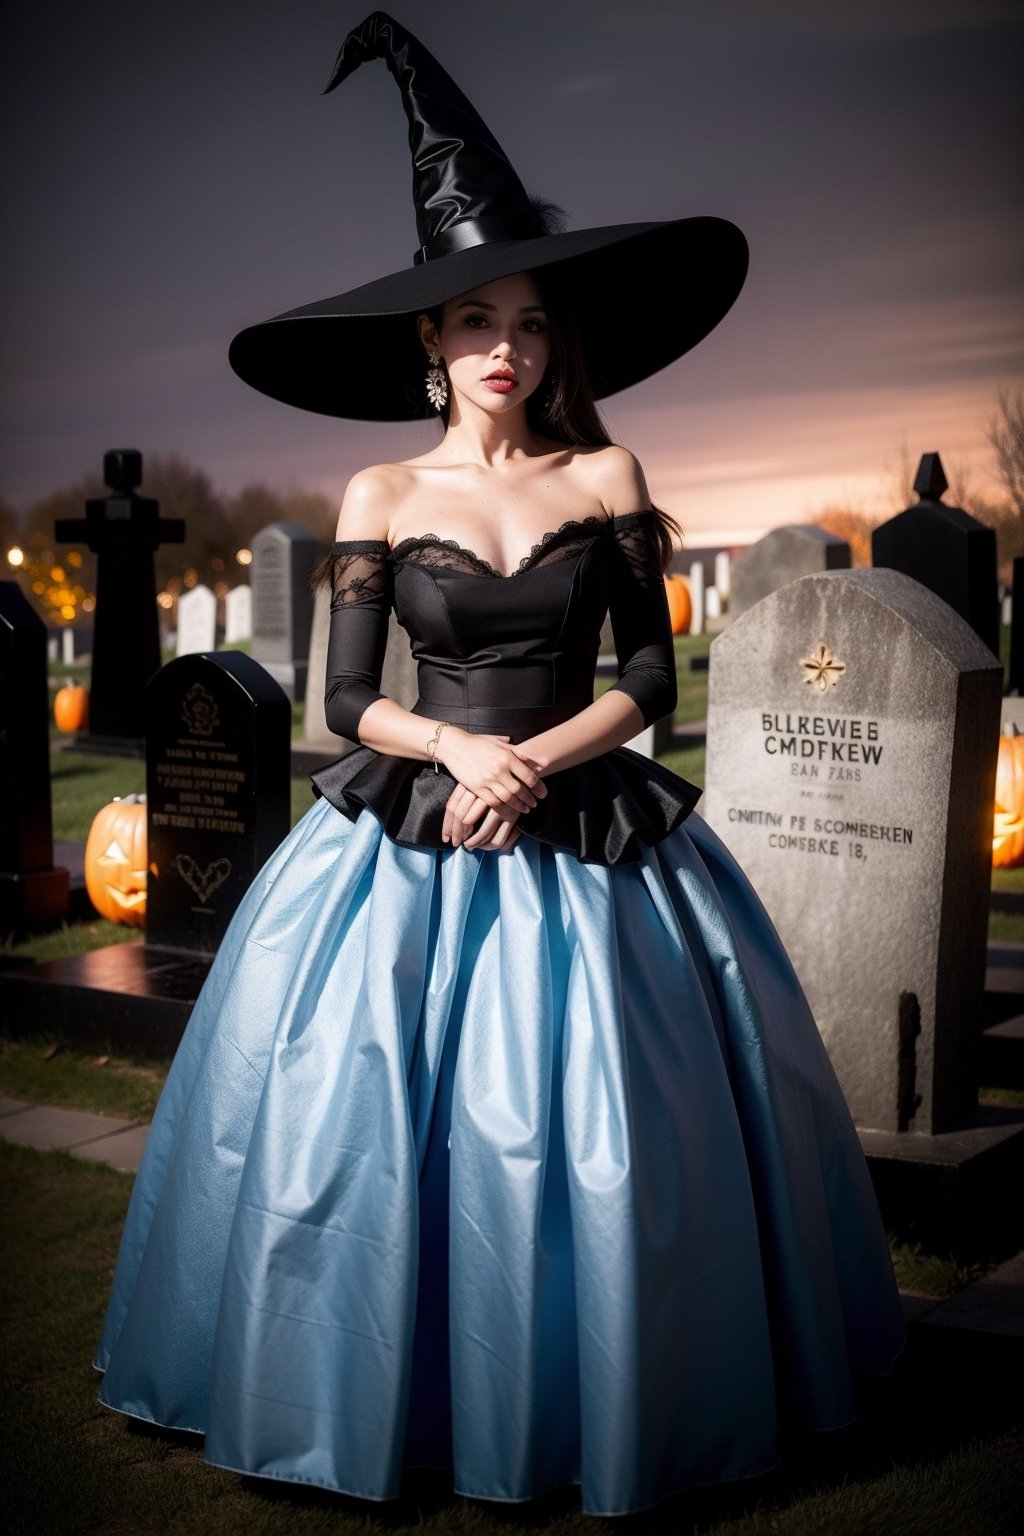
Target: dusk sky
172, 174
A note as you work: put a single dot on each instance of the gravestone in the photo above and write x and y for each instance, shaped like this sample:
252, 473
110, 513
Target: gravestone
283, 558
723, 575
1015, 680
712, 603
853, 724
218, 792
197, 622
696, 580
32, 892
798, 549
946, 550
124, 530
238, 614
67, 646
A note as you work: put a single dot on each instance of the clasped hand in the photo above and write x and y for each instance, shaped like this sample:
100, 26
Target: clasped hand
495, 783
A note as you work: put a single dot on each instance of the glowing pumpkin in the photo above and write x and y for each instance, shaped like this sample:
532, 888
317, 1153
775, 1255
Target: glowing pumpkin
680, 604
115, 861
1008, 824
71, 708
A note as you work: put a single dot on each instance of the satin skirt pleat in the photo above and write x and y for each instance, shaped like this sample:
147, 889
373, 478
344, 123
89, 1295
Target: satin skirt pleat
533, 1167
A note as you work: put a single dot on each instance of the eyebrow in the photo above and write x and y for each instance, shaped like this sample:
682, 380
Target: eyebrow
527, 309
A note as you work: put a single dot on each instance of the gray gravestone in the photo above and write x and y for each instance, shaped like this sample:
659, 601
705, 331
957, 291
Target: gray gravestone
197, 622
799, 549
853, 724
283, 558
946, 550
32, 892
218, 787
238, 615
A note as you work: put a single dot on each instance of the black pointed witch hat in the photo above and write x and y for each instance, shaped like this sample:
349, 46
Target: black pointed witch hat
359, 355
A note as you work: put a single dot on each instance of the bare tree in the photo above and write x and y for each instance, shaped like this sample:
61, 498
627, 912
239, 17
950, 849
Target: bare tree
1006, 434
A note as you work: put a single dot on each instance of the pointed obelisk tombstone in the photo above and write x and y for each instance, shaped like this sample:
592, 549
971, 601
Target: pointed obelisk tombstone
946, 550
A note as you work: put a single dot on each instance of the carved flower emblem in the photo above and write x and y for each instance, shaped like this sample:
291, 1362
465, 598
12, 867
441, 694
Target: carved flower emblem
200, 712
822, 668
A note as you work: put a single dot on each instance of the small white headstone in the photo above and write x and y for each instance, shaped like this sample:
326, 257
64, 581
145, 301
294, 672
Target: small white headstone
712, 604
697, 598
723, 575
197, 621
1007, 614
238, 614
67, 646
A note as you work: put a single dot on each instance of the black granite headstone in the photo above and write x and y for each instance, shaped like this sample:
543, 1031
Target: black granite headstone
1015, 682
32, 892
124, 530
283, 558
946, 550
218, 734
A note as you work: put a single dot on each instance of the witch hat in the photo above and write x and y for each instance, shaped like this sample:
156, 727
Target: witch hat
358, 354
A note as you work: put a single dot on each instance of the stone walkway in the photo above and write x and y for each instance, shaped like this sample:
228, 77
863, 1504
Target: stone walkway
99, 1137
993, 1305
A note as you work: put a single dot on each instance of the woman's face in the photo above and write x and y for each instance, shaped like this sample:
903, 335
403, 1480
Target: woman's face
495, 342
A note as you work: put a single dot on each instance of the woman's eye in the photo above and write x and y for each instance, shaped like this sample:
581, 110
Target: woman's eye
536, 326
476, 321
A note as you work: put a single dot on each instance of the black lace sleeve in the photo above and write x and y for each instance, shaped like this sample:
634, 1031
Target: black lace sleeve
639, 614
360, 603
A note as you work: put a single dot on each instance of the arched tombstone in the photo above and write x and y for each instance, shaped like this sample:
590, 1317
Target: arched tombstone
853, 724
797, 549
218, 788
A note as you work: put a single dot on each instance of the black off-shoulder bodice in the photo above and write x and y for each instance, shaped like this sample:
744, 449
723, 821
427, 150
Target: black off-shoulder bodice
512, 655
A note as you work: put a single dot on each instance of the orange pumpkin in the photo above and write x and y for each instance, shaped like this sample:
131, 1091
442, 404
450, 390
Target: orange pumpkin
680, 604
115, 861
1008, 824
71, 708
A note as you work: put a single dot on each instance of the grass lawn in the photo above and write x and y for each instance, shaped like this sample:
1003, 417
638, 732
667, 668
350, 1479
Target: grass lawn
938, 1448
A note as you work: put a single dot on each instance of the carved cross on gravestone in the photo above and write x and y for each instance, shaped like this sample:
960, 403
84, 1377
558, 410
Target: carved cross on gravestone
124, 531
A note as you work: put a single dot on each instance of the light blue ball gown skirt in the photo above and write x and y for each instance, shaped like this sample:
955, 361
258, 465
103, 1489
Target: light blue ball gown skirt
527, 1166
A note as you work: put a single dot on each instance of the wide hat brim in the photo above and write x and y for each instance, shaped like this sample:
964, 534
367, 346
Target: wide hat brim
641, 295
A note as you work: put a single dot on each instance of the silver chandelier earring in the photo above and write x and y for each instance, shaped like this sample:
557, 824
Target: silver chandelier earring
437, 382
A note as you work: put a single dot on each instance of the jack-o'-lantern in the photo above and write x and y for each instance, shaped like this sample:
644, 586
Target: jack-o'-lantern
115, 861
680, 603
1008, 824
71, 708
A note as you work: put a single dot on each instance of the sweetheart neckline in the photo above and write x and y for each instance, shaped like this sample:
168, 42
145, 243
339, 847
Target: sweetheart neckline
593, 523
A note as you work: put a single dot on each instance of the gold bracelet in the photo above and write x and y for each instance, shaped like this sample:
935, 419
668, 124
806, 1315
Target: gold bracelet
432, 744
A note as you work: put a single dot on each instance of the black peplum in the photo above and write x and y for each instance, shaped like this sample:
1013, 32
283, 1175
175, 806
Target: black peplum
512, 655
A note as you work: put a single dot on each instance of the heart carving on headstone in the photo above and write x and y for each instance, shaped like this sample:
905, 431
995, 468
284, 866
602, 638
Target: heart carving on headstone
202, 881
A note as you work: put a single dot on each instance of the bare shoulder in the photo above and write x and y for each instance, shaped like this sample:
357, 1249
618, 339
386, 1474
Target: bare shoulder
372, 498
614, 477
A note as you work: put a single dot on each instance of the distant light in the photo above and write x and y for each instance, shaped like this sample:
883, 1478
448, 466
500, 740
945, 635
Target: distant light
16, 556
74, 559
217, 563
67, 611
221, 589
88, 604
244, 557
57, 573
164, 599
191, 578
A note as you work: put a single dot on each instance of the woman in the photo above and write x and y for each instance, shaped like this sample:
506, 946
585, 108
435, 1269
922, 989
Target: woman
501, 1135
